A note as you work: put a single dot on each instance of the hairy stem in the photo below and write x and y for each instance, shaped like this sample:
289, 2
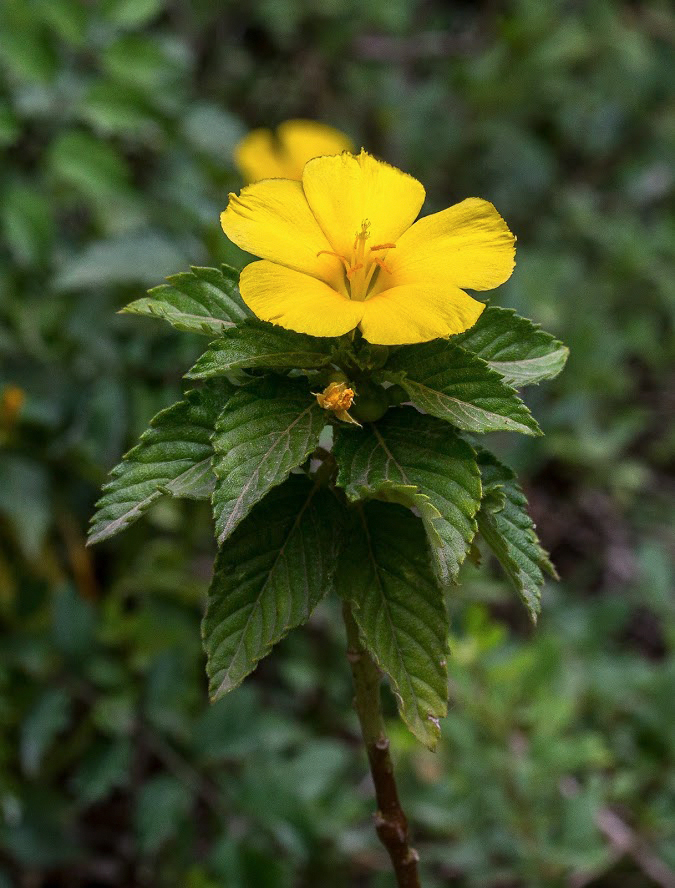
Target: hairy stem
390, 821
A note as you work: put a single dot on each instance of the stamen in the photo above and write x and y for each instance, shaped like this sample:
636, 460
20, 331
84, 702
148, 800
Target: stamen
364, 234
331, 253
380, 262
383, 247
337, 256
369, 277
354, 269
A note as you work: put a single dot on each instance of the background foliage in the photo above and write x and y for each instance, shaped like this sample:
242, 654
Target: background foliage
117, 123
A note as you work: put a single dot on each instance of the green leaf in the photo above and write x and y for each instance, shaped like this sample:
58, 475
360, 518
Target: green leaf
27, 223
89, 164
118, 109
27, 52
163, 806
213, 130
256, 344
127, 259
67, 18
420, 462
173, 457
268, 578
73, 622
204, 300
106, 766
506, 527
25, 500
385, 574
48, 717
516, 348
9, 125
449, 382
263, 433
132, 13
141, 61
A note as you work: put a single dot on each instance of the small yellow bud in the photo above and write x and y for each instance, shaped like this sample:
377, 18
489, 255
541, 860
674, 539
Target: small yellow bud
337, 397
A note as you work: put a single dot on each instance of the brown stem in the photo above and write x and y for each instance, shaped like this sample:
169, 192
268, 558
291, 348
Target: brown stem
390, 821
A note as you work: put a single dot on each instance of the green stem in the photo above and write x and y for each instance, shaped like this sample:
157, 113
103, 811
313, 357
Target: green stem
390, 821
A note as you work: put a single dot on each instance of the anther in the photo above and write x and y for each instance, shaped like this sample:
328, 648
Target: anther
354, 269
383, 247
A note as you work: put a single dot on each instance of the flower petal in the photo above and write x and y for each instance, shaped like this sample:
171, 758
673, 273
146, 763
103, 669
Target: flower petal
346, 190
296, 301
469, 244
301, 140
418, 313
257, 156
272, 220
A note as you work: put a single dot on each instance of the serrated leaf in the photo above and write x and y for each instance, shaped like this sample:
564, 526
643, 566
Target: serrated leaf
449, 382
420, 462
257, 344
520, 351
173, 457
385, 574
268, 578
203, 300
509, 531
263, 433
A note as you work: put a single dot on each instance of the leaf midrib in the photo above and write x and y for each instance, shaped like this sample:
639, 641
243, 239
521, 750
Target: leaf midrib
242, 363
535, 359
383, 596
223, 686
467, 406
111, 528
229, 525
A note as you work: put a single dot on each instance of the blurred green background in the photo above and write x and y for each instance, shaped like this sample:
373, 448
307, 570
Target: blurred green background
117, 124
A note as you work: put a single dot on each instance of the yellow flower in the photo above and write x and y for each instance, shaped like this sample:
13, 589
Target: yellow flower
339, 250
263, 154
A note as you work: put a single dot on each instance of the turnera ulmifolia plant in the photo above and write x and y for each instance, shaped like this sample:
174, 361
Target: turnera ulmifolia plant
334, 424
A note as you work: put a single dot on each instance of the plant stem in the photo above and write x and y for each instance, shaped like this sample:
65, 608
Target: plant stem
390, 821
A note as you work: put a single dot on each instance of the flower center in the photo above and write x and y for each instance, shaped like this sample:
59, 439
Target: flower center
361, 266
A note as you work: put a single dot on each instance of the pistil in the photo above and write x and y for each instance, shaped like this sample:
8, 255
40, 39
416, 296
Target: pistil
361, 267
